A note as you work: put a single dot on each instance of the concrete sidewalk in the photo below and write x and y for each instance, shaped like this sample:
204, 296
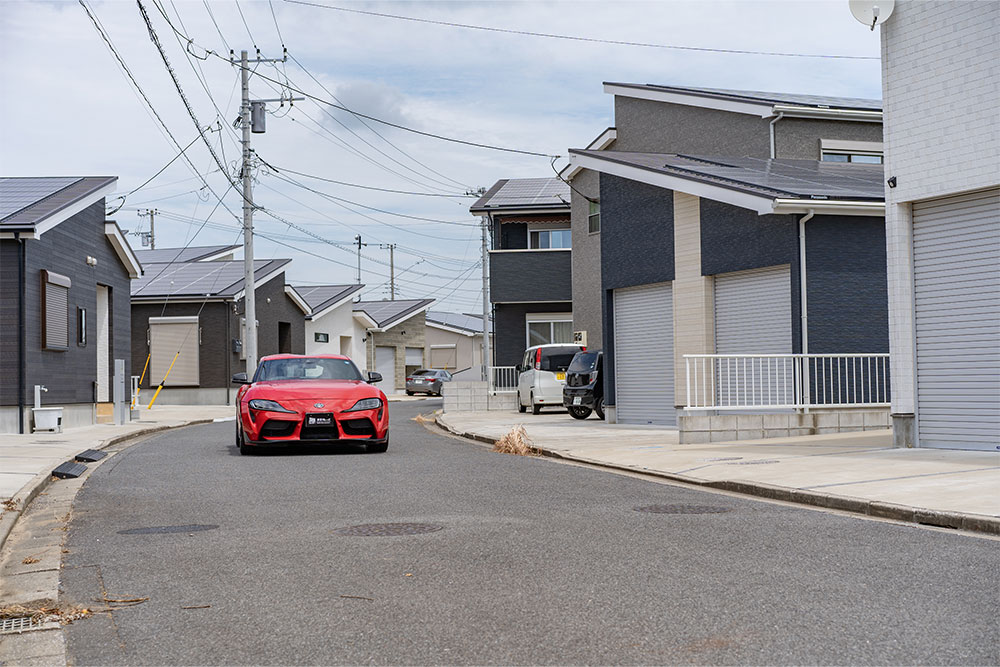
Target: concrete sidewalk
858, 472
26, 461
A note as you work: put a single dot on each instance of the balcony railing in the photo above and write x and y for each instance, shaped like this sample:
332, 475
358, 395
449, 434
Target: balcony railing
786, 381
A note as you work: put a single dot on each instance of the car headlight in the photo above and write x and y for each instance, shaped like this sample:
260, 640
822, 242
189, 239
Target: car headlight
270, 406
366, 404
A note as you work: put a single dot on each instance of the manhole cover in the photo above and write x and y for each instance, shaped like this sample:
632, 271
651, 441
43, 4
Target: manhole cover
19, 624
753, 463
388, 529
152, 530
682, 509
720, 458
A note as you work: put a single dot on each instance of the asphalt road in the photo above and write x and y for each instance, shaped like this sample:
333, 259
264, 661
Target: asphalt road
537, 562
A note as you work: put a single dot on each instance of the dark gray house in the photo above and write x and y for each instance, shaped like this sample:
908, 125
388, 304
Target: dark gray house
531, 285
194, 311
706, 242
64, 282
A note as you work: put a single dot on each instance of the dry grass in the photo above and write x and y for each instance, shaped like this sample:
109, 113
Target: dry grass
44, 613
516, 442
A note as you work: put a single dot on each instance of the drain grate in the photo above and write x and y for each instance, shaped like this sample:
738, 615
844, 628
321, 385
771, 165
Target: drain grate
720, 458
388, 529
155, 530
753, 463
682, 509
19, 624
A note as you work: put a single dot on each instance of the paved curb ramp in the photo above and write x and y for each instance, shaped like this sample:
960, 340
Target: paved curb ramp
980, 523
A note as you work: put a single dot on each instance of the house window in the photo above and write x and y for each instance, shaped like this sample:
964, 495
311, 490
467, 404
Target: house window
550, 238
81, 326
55, 311
857, 158
594, 219
321, 337
545, 329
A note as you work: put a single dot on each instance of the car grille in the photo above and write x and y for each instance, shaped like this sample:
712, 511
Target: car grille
277, 428
358, 427
319, 432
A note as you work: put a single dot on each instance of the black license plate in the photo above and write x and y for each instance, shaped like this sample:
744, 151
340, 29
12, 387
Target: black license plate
319, 420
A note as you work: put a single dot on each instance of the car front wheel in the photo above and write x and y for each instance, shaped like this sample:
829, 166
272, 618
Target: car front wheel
579, 413
245, 449
377, 447
599, 408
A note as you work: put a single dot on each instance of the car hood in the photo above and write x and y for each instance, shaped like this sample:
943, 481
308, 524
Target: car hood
334, 393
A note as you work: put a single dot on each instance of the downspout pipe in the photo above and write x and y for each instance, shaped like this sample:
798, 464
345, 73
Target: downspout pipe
804, 303
21, 333
770, 129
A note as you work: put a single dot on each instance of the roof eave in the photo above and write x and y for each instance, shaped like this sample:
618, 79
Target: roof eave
123, 249
346, 298
829, 207
297, 300
569, 172
444, 327
832, 113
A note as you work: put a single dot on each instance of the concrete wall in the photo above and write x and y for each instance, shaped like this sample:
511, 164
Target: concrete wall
586, 260
464, 396
941, 86
68, 374
408, 333
693, 293
700, 429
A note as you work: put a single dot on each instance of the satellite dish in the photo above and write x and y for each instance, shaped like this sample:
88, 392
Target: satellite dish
872, 12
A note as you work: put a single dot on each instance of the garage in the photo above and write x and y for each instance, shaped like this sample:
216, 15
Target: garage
644, 355
753, 315
956, 275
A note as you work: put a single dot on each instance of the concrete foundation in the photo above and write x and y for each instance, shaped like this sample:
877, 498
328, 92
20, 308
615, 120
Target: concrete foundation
190, 396
474, 397
903, 426
701, 429
74, 415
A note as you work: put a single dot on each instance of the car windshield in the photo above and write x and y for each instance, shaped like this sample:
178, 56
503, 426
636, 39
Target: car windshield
307, 368
423, 371
584, 362
557, 358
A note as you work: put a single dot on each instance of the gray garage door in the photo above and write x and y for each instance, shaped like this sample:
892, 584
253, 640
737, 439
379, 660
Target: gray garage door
956, 271
753, 315
644, 355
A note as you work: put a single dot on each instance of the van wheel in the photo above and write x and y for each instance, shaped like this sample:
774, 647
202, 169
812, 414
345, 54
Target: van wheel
520, 405
535, 407
578, 412
599, 408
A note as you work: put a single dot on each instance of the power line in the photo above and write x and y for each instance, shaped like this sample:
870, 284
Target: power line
372, 187
577, 38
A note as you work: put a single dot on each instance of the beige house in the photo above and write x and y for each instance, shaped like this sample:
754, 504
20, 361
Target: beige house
455, 343
395, 338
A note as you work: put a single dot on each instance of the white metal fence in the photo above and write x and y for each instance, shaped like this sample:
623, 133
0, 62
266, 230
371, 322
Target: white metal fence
786, 381
503, 379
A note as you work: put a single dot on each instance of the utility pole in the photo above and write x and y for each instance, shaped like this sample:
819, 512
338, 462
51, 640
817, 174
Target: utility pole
151, 234
487, 359
257, 107
358, 239
392, 272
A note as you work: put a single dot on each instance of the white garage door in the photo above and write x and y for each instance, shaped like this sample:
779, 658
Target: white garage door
956, 275
644, 355
385, 364
753, 315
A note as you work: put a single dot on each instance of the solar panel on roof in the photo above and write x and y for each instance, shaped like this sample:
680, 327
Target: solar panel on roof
17, 194
531, 191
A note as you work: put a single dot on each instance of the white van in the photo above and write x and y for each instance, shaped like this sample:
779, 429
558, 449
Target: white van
542, 375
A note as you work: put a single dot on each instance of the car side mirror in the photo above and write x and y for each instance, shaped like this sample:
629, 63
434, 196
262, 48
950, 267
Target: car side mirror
374, 377
240, 378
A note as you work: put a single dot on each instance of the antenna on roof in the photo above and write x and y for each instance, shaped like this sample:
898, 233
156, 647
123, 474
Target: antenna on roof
872, 12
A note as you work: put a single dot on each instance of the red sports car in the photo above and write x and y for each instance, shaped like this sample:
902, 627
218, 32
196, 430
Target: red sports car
310, 399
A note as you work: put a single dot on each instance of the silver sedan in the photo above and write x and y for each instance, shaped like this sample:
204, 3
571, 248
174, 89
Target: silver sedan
426, 381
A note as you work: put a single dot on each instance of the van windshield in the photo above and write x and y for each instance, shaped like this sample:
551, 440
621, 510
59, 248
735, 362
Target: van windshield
557, 359
584, 362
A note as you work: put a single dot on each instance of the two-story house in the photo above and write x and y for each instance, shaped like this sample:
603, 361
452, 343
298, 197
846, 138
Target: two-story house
715, 209
943, 221
530, 266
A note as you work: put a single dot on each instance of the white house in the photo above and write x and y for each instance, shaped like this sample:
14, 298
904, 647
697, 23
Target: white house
331, 327
941, 92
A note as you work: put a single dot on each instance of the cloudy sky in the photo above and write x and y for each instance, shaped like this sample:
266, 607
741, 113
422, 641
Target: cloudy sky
69, 109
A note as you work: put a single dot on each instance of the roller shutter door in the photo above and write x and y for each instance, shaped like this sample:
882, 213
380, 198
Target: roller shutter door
167, 337
753, 315
956, 275
644, 355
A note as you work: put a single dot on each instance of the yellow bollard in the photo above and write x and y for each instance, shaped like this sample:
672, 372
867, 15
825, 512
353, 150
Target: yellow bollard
158, 388
135, 399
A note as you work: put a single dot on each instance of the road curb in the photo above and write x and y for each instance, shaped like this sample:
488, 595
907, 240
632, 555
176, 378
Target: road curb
39, 482
979, 523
